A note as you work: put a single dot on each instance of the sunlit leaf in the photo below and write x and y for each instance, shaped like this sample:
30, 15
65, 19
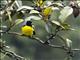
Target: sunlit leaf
57, 4
56, 22
18, 3
1, 33
33, 18
25, 7
67, 11
76, 49
72, 29
55, 14
7, 46
48, 27
65, 26
1, 41
47, 3
34, 12
0, 30
10, 18
68, 42
68, 58
3, 56
18, 21
79, 4
3, 26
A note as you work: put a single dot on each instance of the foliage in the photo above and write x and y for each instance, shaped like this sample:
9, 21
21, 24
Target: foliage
55, 22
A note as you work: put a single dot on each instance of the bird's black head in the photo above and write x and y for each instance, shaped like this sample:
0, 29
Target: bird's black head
29, 23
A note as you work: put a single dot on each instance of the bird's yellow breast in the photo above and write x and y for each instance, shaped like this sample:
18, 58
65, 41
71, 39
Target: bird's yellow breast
27, 30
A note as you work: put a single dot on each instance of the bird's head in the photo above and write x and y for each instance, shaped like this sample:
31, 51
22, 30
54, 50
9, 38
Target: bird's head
29, 23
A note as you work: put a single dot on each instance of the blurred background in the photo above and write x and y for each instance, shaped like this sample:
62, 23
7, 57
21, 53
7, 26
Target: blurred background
32, 49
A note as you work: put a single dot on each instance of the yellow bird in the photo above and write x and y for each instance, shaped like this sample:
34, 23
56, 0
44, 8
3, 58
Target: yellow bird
27, 29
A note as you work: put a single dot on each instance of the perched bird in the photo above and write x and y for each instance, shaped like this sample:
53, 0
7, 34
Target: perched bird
28, 30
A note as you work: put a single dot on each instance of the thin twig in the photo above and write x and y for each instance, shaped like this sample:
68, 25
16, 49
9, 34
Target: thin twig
56, 31
12, 55
7, 6
39, 40
3, 49
14, 33
65, 48
53, 46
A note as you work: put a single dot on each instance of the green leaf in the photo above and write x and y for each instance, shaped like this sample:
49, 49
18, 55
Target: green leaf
34, 12
68, 43
33, 18
65, 26
56, 23
18, 21
48, 27
76, 49
2, 41
72, 29
25, 7
18, 3
67, 11
55, 14
3, 26
47, 3
10, 18
58, 4
79, 4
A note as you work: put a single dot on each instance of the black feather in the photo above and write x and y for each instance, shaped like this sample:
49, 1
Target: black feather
29, 23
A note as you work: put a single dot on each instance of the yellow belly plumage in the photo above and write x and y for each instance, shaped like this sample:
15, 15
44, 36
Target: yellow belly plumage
27, 30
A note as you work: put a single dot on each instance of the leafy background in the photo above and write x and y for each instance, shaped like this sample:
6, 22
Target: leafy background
33, 50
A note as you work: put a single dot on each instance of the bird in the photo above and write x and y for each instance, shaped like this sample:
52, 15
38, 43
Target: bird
28, 29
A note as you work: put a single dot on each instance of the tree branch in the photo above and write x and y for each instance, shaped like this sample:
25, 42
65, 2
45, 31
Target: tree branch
39, 40
65, 48
12, 55
3, 49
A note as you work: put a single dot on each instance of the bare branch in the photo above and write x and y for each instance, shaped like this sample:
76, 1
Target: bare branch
9, 53
53, 46
68, 50
39, 40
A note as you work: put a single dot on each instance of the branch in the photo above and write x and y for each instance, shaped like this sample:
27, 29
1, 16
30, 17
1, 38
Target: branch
39, 40
14, 33
48, 44
56, 31
70, 52
12, 55
9, 53
7, 6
